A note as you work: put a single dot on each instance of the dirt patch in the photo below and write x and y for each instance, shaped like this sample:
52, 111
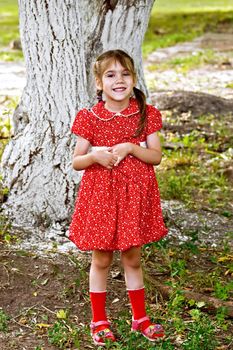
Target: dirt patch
35, 288
194, 103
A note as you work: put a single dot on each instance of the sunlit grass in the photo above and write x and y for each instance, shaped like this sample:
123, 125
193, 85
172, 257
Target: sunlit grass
194, 171
162, 6
174, 22
9, 30
11, 55
186, 63
170, 23
8, 105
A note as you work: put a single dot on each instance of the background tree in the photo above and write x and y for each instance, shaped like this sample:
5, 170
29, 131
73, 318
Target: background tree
60, 39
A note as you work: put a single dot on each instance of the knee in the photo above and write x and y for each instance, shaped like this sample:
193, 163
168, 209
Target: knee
102, 261
131, 260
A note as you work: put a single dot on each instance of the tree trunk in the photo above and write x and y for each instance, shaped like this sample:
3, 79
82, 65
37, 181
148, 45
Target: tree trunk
60, 40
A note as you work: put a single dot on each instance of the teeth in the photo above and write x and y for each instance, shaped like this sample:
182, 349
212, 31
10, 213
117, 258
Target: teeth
119, 89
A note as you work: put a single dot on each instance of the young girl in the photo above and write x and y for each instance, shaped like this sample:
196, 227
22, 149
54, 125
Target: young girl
118, 204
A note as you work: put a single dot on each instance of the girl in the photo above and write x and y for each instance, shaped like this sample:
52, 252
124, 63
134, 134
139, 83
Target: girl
118, 205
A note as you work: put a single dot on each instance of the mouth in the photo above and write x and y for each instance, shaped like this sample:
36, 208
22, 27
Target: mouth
119, 89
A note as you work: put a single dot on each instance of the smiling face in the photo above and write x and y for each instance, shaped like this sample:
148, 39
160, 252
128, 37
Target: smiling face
117, 83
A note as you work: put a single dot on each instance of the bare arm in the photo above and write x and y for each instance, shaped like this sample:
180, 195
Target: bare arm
151, 155
82, 159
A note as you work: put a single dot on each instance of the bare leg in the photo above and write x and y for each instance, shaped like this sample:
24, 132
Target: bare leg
101, 262
131, 260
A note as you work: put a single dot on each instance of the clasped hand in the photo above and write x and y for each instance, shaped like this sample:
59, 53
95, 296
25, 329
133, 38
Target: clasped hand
113, 155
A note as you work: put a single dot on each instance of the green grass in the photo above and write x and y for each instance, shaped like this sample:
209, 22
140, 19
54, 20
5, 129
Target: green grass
186, 321
192, 186
170, 23
9, 30
9, 20
164, 6
63, 334
188, 172
178, 21
8, 105
184, 64
11, 55
4, 319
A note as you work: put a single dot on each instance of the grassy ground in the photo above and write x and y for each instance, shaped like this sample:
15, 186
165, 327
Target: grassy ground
9, 30
44, 302
164, 6
52, 311
195, 170
177, 21
170, 23
184, 63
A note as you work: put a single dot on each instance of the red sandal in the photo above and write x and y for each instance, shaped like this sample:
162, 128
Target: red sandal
152, 333
100, 337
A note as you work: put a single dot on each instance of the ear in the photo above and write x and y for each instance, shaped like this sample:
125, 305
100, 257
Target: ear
98, 84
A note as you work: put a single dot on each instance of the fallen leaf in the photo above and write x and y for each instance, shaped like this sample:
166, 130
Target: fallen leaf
43, 325
44, 282
61, 314
225, 258
200, 304
23, 320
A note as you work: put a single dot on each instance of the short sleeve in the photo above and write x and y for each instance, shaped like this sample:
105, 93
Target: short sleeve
83, 125
154, 120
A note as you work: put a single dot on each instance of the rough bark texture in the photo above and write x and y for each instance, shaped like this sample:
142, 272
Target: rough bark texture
60, 40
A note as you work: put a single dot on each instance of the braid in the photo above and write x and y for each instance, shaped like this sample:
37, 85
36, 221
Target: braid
141, 98
99, 95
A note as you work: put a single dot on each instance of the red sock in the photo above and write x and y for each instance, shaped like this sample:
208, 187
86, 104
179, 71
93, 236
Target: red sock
98, 300
137, 299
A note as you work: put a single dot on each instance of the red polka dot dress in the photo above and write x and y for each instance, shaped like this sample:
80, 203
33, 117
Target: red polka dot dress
120, 208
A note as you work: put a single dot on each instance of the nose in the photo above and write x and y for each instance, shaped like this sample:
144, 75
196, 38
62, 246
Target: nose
119, 78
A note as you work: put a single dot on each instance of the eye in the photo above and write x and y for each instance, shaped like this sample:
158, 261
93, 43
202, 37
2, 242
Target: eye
126, 73
109, 75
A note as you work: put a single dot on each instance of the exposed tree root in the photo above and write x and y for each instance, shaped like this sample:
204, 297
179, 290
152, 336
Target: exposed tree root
211, 304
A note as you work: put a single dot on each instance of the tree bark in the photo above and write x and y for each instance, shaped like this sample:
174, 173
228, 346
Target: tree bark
60, 40
211, 304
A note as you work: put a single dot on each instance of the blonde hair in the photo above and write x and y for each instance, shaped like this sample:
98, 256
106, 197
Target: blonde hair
100, 66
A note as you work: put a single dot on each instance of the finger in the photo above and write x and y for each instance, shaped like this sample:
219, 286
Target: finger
118, 161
